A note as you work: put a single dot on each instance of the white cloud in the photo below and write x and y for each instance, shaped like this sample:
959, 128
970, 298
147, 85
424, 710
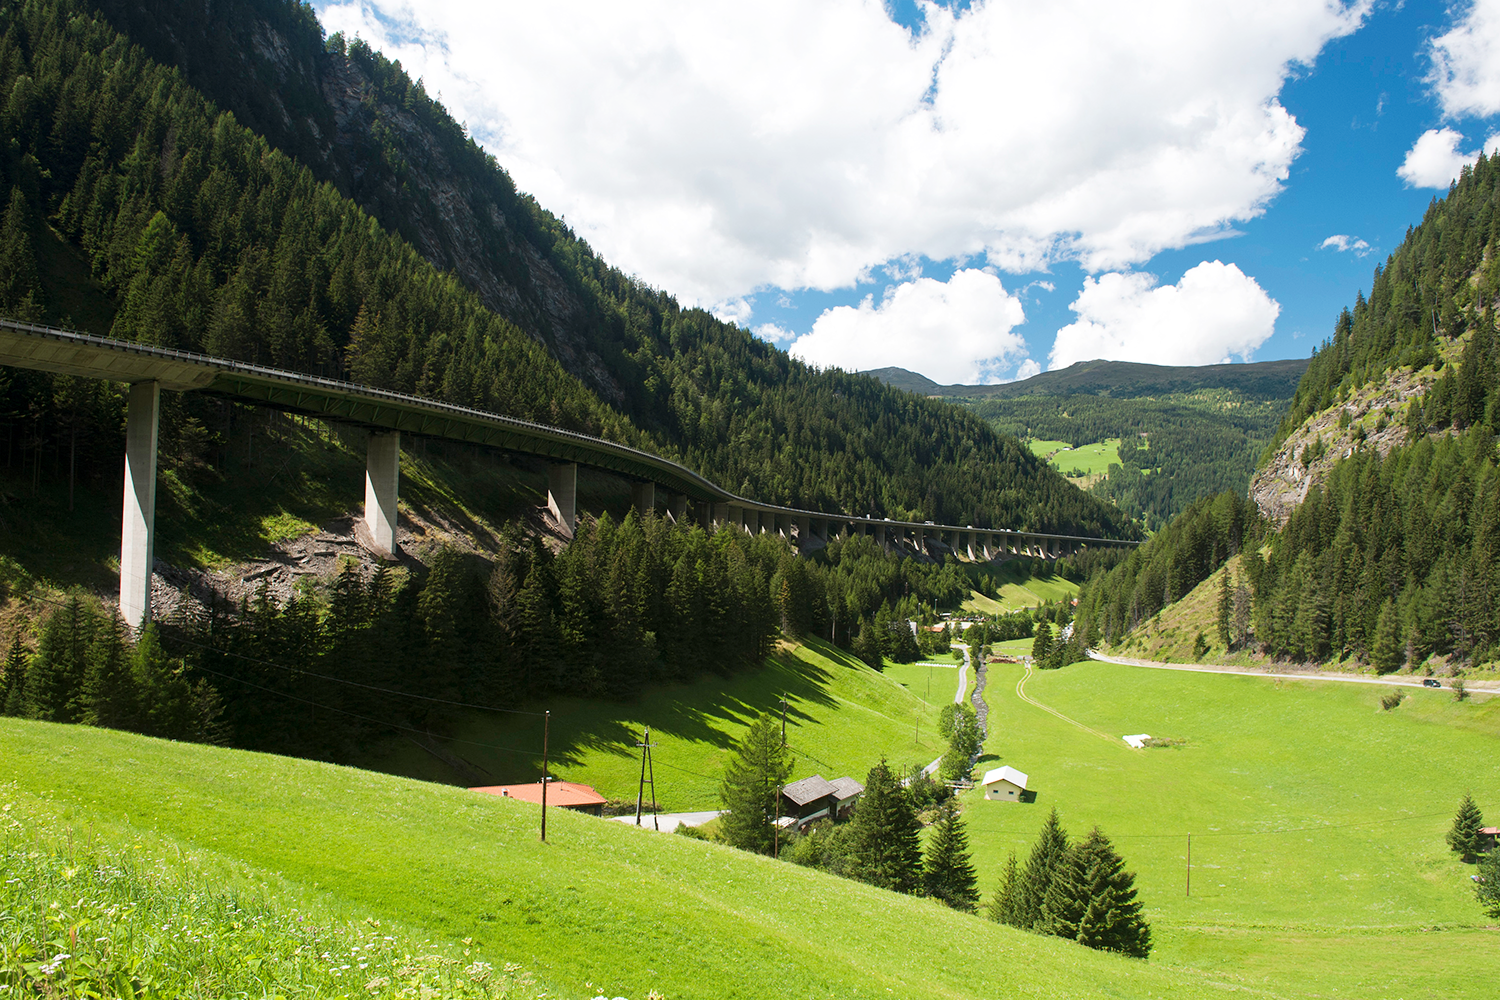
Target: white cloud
1027, 369
1434, 160
1344, 244
717, 148
1214, 313
737, 310
954, 331
1466, 63
775, 333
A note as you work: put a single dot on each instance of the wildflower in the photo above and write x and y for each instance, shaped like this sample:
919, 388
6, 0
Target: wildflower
57, 960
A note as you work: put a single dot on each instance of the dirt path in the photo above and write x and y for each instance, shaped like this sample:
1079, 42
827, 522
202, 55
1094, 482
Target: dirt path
1021, 693
1488, 687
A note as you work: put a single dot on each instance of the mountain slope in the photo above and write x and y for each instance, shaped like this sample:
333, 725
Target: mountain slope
1127, 379
205, 235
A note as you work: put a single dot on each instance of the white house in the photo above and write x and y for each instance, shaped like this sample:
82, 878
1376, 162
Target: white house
1004, 784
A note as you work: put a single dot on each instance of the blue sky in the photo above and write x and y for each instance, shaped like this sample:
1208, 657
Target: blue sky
979, 192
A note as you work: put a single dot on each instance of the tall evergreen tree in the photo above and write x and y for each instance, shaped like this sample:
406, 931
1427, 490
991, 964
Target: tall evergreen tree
947, 873
1004, 908
55, 675
109, 689
1041, 645
1048, 855
751, 789
1111, 918
1464, 838
1226, 610
13, 678
885, 835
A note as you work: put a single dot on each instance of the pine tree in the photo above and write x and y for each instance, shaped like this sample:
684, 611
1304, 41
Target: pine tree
947, 873
109, 689
1464, 838
867, 643
964, 742
1111, 917
1003, 909
751, 789
1066, 898
1226, 609
13, 678
1488, 886
1048, 855
54, 677
1390, 649
885, 835
1042, 644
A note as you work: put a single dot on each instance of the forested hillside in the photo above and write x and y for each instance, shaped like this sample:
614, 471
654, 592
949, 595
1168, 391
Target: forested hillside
1394, 557
209, 236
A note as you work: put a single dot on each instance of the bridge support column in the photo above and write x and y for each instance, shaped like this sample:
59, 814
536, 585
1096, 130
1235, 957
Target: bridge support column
880, 538
382, 486
677, 507
562, 495
720, 513
138, 525
643, 497
920, 539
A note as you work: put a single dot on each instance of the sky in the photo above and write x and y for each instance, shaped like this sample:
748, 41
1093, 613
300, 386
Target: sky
976, 190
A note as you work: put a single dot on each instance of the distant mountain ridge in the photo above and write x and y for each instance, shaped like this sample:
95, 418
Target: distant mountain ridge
1257, 380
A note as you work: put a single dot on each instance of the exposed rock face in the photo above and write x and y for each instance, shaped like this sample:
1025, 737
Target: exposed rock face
1378, 410
270, 68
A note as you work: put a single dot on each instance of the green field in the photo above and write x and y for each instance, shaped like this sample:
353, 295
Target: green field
841, 716
1091, 459
1041, 449
1018, 589
600, 908
1319, 866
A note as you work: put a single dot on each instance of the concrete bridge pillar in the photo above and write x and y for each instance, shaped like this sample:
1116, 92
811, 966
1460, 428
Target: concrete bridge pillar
703, 515
138, 526
382, 486
880, 538
677, 508
562, 494
720, 513
752, 520
919, 540
643, 497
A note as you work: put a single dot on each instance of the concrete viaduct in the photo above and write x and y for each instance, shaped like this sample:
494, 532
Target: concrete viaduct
656, 482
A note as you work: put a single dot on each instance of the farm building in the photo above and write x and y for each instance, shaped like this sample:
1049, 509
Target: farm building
815, 797
1004, 784
563, 794
1488, 835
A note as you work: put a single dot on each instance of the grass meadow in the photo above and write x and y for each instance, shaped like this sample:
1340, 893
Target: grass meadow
1317, 820
599, 909
841, 716
1090, 459
1017, 588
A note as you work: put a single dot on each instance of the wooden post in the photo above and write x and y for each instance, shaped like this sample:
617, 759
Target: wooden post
546, 725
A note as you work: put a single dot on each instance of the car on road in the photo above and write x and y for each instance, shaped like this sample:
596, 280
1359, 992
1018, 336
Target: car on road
1431, 682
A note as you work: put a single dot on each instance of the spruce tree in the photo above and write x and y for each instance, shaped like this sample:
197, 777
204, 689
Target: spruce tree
13, 679
109, 689
1048, 855
1041, 645
1487, 889
1066, 898
751, 789
1226, 609
1464, 838
1004, 909
54, 677
1390, 650
885, 835
1111, 918
947, 873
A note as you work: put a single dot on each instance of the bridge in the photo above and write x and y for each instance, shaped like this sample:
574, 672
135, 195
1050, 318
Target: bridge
386, 415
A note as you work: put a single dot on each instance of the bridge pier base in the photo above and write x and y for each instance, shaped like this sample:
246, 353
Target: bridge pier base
677, 507
138, 524
643, 497
382, 486
562, 494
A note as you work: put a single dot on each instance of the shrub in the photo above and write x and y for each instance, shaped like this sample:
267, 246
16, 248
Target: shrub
1391, 700
1459, 694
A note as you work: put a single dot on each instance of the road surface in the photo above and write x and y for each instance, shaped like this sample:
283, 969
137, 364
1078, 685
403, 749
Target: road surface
1488, 687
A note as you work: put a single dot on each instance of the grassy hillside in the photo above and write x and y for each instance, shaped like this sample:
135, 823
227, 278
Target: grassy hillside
1017, 588
841, 717
1319, 865
600, 907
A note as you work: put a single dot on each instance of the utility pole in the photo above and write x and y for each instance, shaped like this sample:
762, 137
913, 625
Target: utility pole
645, 746
546, 725
783, 720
